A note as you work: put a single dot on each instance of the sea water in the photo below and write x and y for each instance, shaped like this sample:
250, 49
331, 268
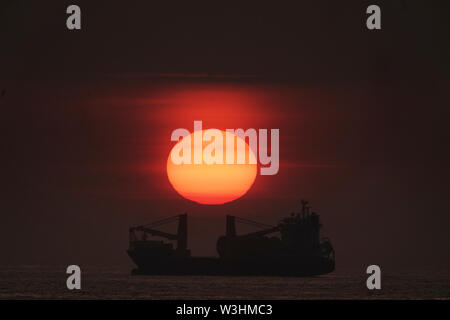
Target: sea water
33, 282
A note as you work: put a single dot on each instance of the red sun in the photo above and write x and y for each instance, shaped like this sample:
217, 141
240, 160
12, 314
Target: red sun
212, 183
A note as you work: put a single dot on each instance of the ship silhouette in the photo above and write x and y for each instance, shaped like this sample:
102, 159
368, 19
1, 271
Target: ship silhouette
298, 251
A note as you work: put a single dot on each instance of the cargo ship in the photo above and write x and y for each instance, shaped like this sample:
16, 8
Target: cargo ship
292, 247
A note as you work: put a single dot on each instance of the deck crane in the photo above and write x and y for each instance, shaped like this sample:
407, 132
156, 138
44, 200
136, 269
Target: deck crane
148, 229
231, 227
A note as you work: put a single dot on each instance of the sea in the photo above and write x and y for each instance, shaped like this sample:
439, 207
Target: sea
38, 282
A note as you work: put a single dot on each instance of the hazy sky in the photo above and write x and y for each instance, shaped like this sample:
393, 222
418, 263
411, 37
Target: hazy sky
87, 117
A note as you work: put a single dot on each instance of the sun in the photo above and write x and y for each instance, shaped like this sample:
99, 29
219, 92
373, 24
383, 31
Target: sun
212, 183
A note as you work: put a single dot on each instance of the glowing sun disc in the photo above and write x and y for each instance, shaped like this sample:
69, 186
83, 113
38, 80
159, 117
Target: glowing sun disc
212, 183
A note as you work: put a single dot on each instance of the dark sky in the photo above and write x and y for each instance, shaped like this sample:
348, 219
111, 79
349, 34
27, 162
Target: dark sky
87, 116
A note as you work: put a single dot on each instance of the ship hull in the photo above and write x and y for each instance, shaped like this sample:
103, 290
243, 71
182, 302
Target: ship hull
172, 265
